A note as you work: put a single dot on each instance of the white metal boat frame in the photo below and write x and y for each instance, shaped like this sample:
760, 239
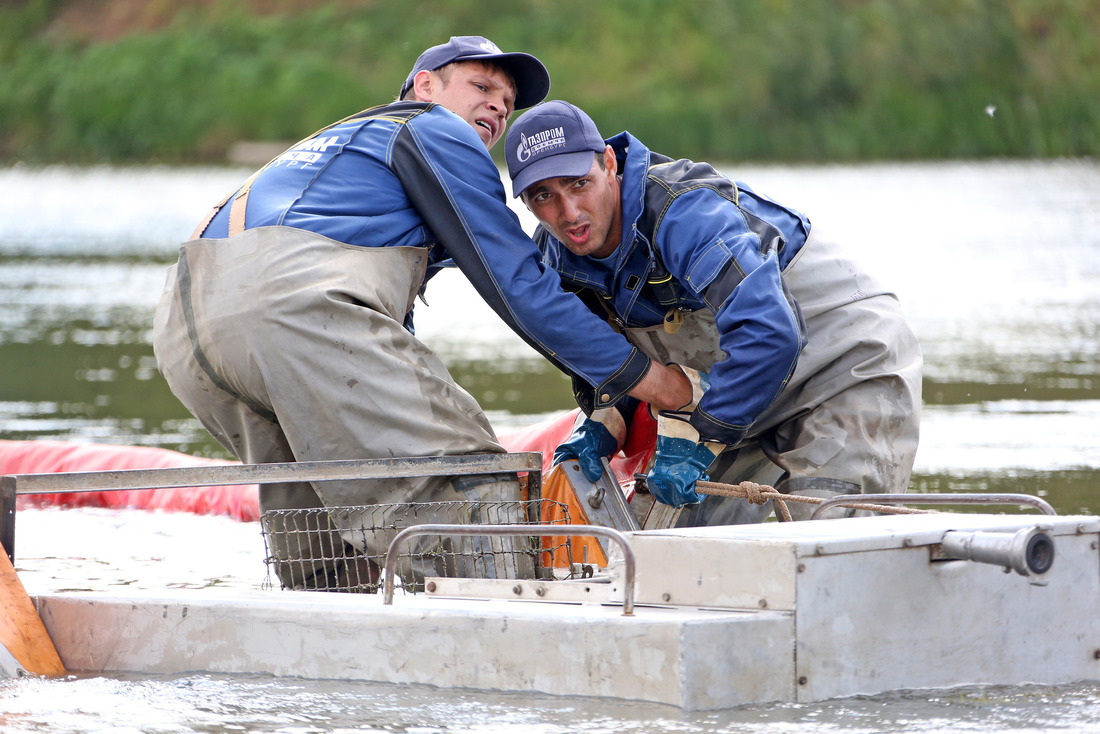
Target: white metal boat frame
698, 618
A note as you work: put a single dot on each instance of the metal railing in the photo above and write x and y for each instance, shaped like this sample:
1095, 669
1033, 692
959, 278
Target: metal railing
844, 500
591, 530
14, 485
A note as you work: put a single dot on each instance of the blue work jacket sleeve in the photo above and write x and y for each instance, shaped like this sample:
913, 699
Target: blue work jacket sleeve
707, 244
455, 187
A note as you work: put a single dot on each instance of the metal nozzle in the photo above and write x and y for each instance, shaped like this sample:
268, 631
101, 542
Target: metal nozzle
1029, 552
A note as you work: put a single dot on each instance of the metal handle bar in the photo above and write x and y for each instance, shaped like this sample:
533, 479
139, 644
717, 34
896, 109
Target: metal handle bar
12, 485
301, 471
593, 530
934, 499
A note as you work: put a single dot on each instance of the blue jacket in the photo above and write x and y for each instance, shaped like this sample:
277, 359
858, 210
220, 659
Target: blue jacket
724, 247
415, 174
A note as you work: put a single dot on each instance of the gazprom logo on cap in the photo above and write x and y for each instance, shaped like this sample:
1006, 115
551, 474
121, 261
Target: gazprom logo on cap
539, 143
490, 47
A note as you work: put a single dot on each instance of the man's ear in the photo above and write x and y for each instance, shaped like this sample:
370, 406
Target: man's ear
424, 84
610, 165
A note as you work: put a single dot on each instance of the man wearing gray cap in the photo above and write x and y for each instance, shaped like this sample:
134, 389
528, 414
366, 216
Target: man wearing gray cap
286, 324
806, 375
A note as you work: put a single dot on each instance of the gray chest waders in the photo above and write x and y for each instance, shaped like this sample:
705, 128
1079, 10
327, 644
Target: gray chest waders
860, 369
289, 346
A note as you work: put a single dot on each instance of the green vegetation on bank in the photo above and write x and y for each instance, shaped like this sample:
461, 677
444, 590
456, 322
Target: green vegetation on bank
763, 80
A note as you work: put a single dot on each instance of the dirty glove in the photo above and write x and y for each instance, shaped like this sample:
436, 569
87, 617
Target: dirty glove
594, 437
680, 463
681, 458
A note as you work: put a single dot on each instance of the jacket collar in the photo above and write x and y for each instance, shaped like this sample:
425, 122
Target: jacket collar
633, 160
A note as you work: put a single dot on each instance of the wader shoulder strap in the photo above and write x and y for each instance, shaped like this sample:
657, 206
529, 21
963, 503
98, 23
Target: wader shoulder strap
236, 209
240, 202
197, 234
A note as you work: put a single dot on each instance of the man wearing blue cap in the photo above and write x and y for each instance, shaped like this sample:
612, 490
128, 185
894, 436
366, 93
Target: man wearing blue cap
806, 375
286, 324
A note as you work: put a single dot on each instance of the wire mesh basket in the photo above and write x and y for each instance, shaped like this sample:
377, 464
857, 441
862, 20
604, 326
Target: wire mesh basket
344, 548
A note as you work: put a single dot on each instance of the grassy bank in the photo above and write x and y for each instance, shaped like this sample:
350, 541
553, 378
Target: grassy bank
762, 80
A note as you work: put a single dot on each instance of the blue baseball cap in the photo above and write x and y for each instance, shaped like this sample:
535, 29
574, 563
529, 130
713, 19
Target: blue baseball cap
550, 140
531, 77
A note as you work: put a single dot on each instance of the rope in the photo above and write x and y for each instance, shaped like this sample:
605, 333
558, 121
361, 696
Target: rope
758, 494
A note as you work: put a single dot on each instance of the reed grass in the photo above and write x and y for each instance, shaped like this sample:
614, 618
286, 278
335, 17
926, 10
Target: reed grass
753, 80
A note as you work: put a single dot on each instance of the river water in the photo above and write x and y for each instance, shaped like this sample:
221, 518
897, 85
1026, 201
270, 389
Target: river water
997, 265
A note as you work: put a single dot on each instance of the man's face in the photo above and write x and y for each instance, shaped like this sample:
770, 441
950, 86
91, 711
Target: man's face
583, 213
480, 94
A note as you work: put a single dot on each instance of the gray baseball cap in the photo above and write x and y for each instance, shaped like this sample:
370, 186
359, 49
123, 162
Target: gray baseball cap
550, 140
531, 77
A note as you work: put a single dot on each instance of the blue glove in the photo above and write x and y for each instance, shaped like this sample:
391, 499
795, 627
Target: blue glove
681, 457
678, 465
593, 439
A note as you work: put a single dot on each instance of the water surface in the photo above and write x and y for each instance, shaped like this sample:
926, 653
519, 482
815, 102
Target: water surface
997, 266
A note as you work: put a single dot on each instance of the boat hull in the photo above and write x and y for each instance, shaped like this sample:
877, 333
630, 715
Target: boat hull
723, 617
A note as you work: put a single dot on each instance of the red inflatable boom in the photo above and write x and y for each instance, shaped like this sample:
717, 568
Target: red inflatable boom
43, 457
